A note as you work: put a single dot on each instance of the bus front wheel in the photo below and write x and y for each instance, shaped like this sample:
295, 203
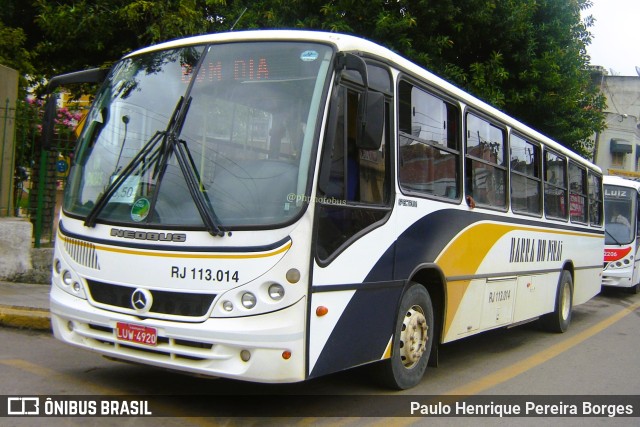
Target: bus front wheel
559, 319
412, 340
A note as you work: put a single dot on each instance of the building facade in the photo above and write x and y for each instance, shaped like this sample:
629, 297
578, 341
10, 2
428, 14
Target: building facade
617, 147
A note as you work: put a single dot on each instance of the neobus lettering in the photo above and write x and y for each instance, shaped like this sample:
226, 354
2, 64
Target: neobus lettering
143, 235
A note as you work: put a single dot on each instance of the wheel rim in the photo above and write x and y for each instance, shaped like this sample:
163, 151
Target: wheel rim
566, 302
413, 337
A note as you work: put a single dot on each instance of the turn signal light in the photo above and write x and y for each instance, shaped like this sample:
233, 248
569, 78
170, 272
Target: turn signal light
321, 311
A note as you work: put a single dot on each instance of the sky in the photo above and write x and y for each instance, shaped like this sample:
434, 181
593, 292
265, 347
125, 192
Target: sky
616, 38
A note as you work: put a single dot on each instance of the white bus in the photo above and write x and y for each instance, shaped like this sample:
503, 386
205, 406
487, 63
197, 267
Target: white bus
273, 206
621, 233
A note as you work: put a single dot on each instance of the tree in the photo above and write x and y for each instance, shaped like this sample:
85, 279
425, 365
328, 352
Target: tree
13, 54
526, 57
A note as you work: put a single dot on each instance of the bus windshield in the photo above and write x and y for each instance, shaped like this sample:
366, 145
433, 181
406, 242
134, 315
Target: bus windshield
620, 217
224, 131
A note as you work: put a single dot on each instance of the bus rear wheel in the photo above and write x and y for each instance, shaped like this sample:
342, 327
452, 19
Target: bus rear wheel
412, 340
560, 318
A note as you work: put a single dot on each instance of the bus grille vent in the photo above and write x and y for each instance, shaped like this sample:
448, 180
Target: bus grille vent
167, 348
82, 252
164, 302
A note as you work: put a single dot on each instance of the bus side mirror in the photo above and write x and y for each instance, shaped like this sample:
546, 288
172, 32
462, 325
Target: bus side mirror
371, 123
48, 121
94, 75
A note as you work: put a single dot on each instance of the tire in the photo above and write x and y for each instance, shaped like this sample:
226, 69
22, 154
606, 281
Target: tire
414, 324
634, 289
560, 318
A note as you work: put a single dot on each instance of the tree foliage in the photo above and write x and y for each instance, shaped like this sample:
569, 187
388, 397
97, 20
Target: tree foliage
13, 53
526, 57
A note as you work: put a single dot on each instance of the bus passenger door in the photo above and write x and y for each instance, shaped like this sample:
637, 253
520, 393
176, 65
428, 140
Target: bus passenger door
350, 319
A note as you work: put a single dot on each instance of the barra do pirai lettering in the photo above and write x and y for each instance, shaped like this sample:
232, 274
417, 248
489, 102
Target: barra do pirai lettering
524, 249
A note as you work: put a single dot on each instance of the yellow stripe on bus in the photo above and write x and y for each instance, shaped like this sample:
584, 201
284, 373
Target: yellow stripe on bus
475, 242
172, 254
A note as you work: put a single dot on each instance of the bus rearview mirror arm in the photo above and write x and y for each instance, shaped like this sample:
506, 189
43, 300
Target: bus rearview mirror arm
370, 116
93, 75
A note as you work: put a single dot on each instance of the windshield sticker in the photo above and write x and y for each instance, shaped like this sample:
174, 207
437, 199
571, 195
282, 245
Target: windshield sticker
140, 209
309, 55
127, 191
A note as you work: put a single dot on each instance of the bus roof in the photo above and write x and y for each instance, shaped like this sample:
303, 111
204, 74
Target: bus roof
621, 181
350, 43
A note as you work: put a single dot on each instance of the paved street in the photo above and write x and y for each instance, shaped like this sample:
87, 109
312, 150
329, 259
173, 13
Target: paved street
597, 356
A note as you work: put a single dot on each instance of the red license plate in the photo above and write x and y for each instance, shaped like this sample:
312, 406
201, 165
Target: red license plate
136, 333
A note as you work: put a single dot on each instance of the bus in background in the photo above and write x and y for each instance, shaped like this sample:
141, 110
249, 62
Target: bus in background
621, 234
273, 206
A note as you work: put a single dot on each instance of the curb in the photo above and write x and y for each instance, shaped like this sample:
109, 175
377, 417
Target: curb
25, 318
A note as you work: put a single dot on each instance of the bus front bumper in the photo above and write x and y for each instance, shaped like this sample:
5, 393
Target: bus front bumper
617, 279
263, 348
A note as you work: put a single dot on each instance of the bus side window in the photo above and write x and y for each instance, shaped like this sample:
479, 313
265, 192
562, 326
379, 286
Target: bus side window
555, 185
595, 199
356, 175
428, 142
357, 194
637, 217
525, 176
577, 192
485, 162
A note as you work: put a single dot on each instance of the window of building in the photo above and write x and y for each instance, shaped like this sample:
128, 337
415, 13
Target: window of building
617, 159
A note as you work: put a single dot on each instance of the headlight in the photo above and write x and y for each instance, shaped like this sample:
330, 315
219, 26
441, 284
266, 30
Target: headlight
76, 288
70, 284
67, 279
248, 300
276, 292
57, 266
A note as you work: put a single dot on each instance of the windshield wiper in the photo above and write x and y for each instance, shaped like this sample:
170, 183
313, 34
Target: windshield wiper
614, 239
173, 144
157, 151
149, 147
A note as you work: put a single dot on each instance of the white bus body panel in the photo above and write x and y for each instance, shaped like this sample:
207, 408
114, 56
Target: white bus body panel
207, 344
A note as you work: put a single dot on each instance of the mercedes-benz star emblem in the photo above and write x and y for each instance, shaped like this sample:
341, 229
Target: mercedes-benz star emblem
141, 300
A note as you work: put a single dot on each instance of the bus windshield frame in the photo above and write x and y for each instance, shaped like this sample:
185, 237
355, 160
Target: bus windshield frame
216, 137
619, 204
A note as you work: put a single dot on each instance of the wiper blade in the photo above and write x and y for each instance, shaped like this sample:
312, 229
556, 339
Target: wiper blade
90, 220
172, 144
189, 170
149, 147
614, 239
157, 151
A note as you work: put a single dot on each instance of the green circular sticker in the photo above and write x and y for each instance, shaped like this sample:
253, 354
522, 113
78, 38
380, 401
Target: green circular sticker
140, 210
